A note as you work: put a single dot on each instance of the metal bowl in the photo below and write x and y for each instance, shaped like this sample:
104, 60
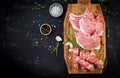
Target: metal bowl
56, 10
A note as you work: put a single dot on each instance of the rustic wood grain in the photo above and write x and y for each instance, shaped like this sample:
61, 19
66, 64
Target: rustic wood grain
79, 8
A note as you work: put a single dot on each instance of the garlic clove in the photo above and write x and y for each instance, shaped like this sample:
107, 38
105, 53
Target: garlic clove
58, 38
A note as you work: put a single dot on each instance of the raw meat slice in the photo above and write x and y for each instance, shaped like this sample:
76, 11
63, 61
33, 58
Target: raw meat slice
75, 58
91, 57
88, 14
96, 61
75, 65
75, 17
92, 53
87, 26
99, 29
75, 51
86, 64
87, 60
99, 18
74, 21
83, 69
90, 28
87, 42
74, 24
87, 23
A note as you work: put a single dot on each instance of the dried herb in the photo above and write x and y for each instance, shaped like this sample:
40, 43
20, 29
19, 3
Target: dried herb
38, 6
56, 47
108, 11
101, 1
65, 0
105, 64
74, 43
96, 70
35, 2
71, 39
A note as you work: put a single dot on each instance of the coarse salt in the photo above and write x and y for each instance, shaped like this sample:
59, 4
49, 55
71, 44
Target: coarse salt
56, 11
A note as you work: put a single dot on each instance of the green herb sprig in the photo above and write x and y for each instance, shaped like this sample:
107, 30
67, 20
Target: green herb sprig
101, 51
105, 64
108, 11
71, 39
38, 6
56, 47
101, 1
65, 0
108, 33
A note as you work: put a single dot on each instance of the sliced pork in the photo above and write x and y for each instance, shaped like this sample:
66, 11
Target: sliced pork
90, 57
88, 14
86, 64
87, 42
83, 69
74, 58
90, 28
75, 24
86, 60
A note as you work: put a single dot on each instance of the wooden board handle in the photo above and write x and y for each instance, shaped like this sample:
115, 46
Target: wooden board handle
84, 1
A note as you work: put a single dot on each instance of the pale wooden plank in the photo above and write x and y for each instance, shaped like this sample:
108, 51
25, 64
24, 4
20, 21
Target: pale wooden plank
75, 8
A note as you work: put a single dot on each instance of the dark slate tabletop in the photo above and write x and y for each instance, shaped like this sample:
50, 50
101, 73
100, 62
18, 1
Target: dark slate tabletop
27, 53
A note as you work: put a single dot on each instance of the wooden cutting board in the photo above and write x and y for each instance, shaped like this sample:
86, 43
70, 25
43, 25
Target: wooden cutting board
78, 9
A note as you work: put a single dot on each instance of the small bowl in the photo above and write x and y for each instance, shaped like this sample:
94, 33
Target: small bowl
45, 29
56, 10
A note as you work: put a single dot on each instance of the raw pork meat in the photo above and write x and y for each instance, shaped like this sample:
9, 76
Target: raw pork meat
87, 42
74, 56
86, 60
90, 57
90, 28
86, 64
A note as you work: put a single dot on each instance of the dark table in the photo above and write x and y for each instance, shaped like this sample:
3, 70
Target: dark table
27, 53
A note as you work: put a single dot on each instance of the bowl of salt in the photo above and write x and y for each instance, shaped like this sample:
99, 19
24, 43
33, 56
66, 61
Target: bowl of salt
56, 10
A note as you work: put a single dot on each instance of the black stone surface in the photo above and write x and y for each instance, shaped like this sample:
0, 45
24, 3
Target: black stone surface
26, 53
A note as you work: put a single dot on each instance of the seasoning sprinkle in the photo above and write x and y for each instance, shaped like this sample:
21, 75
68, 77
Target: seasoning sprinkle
108, 34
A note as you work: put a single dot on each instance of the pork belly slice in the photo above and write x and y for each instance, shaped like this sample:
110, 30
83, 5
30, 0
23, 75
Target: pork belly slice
75, 58
91, 57
83, 69
86, 64
96, 61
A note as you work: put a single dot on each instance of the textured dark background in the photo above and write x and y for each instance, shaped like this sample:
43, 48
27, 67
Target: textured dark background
24, 52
